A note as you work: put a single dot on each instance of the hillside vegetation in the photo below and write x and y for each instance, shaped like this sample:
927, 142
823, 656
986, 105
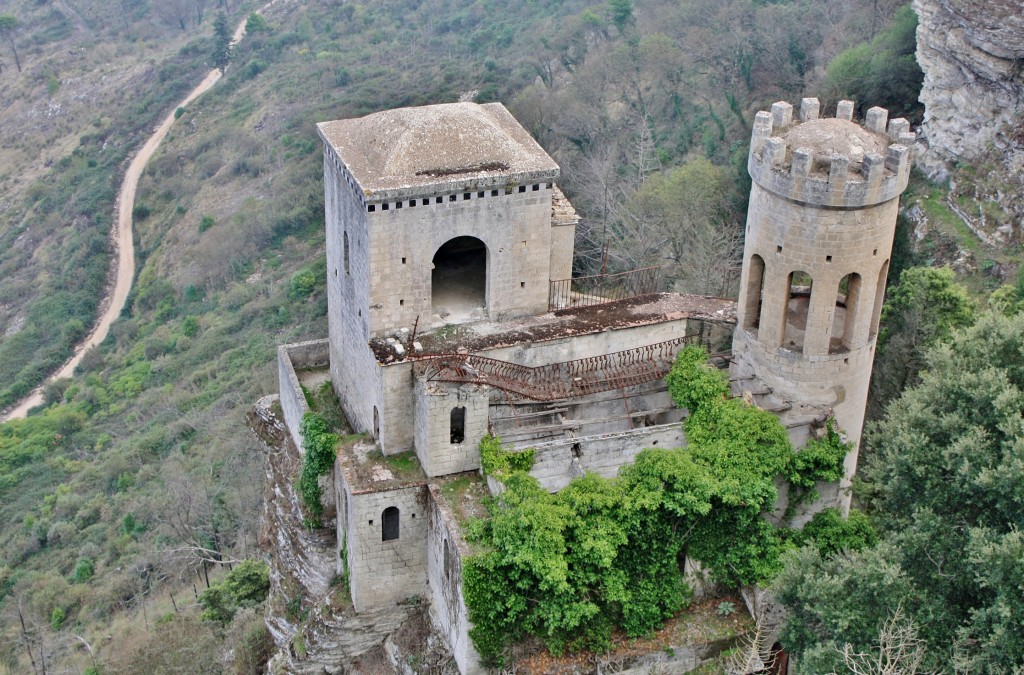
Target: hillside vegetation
139, 478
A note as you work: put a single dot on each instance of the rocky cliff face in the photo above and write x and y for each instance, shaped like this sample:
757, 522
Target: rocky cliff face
972, 54
309, 613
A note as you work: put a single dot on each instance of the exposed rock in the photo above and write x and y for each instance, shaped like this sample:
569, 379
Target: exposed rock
973, 91
309, 613
302, 561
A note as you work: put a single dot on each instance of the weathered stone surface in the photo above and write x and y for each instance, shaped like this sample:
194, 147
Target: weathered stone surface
301, 560
973, 91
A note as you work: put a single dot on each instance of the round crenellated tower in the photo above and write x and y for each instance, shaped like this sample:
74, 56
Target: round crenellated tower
819, 233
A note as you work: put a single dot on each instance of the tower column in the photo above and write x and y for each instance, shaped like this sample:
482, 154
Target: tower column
774, 306
820, 315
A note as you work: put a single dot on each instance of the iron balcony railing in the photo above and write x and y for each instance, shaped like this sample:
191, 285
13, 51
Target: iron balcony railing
603, 288
556, 381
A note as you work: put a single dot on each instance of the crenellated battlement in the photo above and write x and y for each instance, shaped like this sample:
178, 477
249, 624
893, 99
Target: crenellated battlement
830, 161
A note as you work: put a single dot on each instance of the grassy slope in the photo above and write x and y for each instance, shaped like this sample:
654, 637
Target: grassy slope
88, 94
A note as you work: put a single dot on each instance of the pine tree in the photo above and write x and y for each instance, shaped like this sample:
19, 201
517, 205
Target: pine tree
222, 47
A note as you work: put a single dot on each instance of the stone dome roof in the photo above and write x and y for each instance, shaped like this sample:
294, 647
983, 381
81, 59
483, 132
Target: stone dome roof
433, 145
831, 136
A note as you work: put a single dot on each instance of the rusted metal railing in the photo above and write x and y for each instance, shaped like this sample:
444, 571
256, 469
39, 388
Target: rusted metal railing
603, 288
568, 379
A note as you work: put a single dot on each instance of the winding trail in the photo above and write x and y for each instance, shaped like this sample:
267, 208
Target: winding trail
124, 244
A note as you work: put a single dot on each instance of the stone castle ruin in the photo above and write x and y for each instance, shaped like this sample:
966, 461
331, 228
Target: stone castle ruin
453, 314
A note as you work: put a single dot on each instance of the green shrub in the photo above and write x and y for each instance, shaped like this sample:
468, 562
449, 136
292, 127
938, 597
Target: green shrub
57, 617
205, 223
247, 585
319, 444
831, 533
83, 571
602, 554
498, 462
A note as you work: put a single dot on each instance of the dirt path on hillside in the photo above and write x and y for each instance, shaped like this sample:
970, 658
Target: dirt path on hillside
124, 243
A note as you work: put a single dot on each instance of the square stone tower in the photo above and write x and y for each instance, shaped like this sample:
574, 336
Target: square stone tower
437, 214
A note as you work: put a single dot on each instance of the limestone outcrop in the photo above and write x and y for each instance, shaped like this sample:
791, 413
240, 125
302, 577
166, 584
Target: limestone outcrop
971, 52
309, 613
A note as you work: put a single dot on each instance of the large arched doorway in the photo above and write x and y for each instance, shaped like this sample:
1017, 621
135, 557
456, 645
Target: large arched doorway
458, 282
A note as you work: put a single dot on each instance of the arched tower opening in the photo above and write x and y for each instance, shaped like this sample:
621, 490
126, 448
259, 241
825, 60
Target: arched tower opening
845, 317
754, 295
458, 282
798, 305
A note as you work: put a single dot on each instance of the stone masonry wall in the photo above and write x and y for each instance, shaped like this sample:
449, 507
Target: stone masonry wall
290, 358
384, 572
825, 243
826, 208
354, 370
514, 225
434, 403
448, 612
558, 462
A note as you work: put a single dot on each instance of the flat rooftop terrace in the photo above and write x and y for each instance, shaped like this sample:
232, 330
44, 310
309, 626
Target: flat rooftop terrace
564, 323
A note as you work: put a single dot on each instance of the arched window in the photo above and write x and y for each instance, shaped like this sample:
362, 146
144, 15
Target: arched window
389, 522
847, 302
876, 311
798, 304
458, 424
755, 293
345, 250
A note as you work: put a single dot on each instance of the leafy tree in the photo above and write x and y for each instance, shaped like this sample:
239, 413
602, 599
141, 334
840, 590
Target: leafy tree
835, 601
621, 13
944, 483
247, 585
223, 50
922, 310
882, 72
256, 24
683, 215
9, 26
1009, 299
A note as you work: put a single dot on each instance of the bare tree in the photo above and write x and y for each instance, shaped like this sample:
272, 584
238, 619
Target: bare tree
175, 12
900, 651
199, 11
9, 26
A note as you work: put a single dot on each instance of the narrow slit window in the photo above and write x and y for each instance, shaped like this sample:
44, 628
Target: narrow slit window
458, 424
345, 251
389, 524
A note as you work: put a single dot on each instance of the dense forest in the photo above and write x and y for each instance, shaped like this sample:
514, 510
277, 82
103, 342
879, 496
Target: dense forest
135, 490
